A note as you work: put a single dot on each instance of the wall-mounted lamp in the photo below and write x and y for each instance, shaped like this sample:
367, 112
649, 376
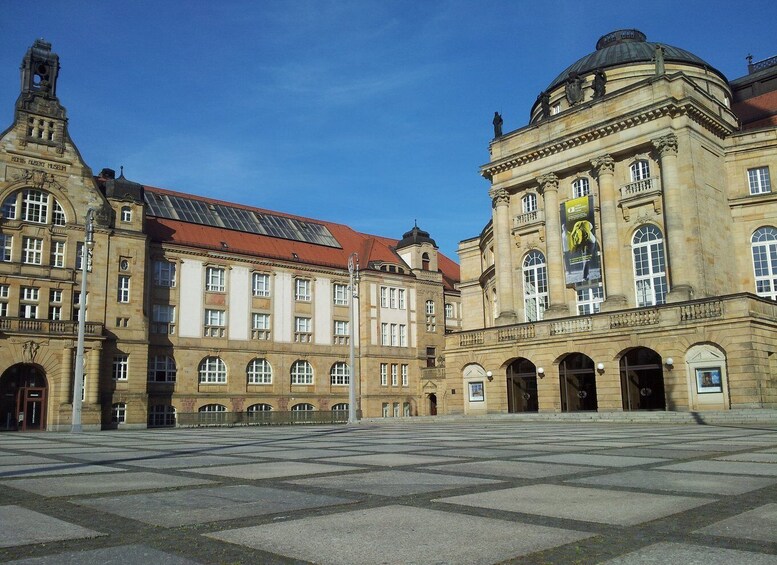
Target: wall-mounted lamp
669, 362
600, 367
489, 375
540, 372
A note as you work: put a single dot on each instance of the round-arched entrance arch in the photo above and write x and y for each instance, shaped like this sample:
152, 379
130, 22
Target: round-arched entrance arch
642, 380
522, 386
577, 380
23, 396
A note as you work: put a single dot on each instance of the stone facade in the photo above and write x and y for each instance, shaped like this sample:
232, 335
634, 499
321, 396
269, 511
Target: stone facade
677, 311
187, 317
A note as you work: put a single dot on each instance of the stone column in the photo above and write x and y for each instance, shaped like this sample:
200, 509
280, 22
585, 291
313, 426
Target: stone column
503, 258
675, 224
93, 375
557, 306
608, 234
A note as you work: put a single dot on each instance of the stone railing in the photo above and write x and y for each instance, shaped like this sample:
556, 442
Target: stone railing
761, 65
528, 218
701, 310
48, 327
471, 338
515, 333
433, 373
570, 326
634, 319
639, 187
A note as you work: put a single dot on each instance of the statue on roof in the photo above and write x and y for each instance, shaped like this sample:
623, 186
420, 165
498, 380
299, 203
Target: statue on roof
574, 88
544, 99
498, 121
598, 85
659, 59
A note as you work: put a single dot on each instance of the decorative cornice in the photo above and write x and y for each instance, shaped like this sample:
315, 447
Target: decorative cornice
604, 165
673, 110
547, 182
666, 145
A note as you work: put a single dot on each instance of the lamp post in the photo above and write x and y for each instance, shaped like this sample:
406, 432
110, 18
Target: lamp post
78, 380
353, 288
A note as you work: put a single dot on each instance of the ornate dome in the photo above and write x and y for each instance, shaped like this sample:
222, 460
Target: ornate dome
623, 47
415, 236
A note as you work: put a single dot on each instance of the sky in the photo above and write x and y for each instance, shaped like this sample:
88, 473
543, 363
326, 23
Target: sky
375, 114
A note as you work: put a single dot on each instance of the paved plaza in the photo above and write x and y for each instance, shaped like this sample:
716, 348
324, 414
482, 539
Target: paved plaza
466, 491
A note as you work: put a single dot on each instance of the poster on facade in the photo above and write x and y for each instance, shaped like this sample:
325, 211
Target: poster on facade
579, 241
708, 380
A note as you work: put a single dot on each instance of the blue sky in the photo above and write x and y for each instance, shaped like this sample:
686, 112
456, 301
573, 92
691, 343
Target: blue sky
373, 114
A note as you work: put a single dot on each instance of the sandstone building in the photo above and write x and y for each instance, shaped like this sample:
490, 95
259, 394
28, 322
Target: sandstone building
631, 260
196, 309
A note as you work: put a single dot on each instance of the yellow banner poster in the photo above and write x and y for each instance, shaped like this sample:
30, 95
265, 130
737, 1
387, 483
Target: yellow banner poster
580, 244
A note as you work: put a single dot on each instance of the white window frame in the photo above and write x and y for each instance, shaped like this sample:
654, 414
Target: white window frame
385, 337
535, 286
581, 187
215, 323
394, 374
384, 303
164, 273
650, 282
401, 298
123, 295
259, 372
118, 413
529, 203
639, 170
384, 374
302, 290
57, 253
402, 335
405, 372
764, 253
126, 214
58, 217
339, 374
758, 180
6, 249
212, 370
32, 250
589, 298
340, 294
215, 279
260, 325
35, 206
449, 311
301, 373
260, 285
120, 371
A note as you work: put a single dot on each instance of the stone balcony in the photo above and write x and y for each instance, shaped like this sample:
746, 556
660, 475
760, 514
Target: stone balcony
665, 316
63, 328
639, 193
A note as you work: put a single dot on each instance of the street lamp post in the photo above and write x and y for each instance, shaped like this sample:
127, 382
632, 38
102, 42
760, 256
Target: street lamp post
353, 287
78, 380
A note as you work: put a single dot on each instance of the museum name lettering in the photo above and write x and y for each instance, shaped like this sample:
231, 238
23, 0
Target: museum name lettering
37, 163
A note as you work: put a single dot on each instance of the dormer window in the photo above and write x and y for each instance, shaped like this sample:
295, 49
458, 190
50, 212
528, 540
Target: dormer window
425, 261
126, 214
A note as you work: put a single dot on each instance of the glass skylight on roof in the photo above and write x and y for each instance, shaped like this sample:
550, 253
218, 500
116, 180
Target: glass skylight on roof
239, 219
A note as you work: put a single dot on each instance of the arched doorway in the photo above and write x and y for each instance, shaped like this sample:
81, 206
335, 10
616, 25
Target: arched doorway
432, 404
522, 386
23, 392
642, 380
577, 380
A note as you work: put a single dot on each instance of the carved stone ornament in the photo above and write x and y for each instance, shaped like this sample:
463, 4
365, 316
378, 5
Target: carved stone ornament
548, 182
29, 351
666, 145
500, 197
604, 165
38, 179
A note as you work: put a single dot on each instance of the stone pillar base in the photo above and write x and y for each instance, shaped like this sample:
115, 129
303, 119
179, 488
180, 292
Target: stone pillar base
680, 293
506, 319
614, 302
556, 311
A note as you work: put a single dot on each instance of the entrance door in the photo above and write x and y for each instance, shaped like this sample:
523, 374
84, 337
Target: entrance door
642, 380
432, 404
522, 387
577, 380
23, 395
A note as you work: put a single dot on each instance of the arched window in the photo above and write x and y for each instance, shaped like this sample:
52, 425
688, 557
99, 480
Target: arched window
161, 369
529, 203
535, 286
259, 408
764, 243
213, 414
647, 248
580, 187
340, 374
303, 407
640, 170
342, 407
31, 205
58, 216
161, 415
301, 373
259, 413
425, 261
9, 207
259, 372
213, 370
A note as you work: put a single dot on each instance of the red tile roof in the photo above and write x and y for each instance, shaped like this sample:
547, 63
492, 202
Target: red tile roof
370, 248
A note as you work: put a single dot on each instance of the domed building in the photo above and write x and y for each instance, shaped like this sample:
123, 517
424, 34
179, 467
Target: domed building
631, 260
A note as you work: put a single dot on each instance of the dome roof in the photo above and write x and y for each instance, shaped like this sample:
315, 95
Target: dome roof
623, 47
415, 236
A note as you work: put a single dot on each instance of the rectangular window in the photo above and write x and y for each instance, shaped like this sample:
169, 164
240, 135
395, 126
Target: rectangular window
384, 297
4, 290
164, 273
6, 245
261, 284
394, 335
340, 294
302, 290
449, 311
80, 257
77, 305
384, 334
35, 206
589, 299
163, 319
384, 374
55, 295
215, 279
32, 250
3, 309
120, 367
260, 325
124, 289
431, 356
401, 298
161, 369
402, 335
118, 413
303, 328
341, 328
404, 375
394, 374
392, 298
58, 254
215, 322
758, 180
28, 302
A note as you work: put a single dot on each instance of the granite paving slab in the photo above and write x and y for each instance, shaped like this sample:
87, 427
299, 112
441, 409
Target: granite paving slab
106, 482
687, 554
119, 456
11, 471
515, 469
14, 459
308, 453
197, 506
482, 453
730, 467
757, 524
597, 460
659, 452
402, 535
754, 457
20, 526
649, 479
394, 482
391, 459
272, 469
624, 508
123, 554
184, 461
